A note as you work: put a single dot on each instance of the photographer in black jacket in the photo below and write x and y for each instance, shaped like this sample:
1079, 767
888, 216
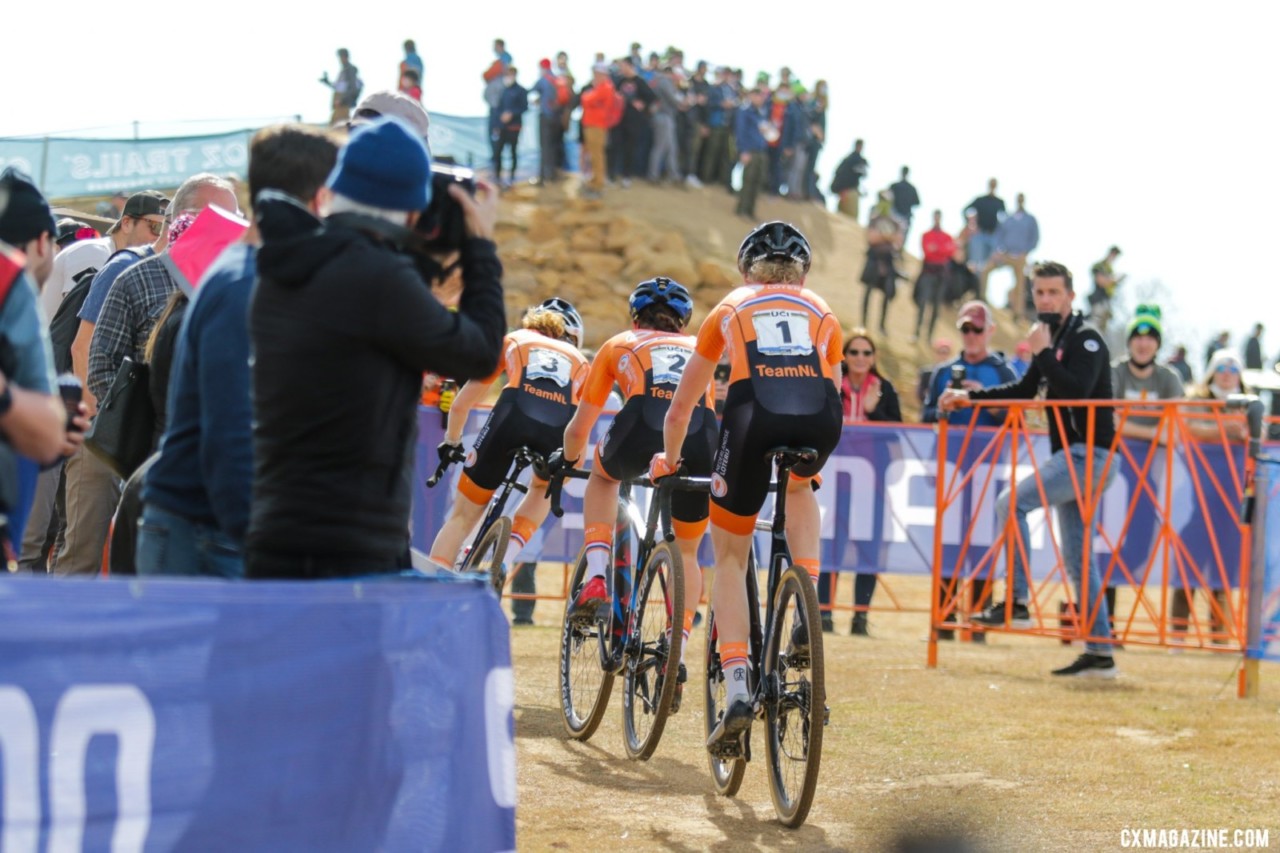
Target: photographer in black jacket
1071, 360
343, 324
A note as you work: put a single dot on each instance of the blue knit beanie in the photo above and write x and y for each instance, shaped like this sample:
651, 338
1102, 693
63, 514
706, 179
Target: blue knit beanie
384, 164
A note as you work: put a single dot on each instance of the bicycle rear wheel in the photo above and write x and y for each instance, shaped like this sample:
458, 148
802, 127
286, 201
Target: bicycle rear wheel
485, 556
795, 699
653, 642
584, 683
726, 773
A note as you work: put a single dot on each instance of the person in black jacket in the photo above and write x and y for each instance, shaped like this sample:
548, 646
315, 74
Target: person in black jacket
1071, 359
342, 325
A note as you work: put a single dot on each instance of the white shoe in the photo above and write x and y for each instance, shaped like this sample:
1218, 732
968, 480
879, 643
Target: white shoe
693, 181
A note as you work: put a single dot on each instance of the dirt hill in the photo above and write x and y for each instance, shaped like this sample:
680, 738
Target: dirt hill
594, 251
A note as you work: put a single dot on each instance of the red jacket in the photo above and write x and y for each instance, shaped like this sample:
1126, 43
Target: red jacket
596, 103
938, 246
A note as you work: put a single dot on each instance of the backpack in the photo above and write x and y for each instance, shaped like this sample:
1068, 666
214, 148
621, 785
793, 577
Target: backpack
65, 324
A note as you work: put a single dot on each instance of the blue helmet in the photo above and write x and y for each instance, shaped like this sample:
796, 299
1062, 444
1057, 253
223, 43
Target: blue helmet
572, 319
662, 291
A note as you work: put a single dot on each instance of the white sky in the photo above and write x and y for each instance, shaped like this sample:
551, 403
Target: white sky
1143, 124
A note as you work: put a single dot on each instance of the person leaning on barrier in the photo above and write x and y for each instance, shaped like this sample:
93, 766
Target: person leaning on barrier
342, 325
1070, 359
1138, 377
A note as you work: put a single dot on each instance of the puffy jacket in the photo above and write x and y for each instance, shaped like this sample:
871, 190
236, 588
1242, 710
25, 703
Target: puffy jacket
596, 102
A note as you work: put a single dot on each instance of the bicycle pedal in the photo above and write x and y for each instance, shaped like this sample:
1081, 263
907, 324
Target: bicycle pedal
826, 714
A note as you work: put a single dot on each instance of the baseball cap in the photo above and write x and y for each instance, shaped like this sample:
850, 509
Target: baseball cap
389, 103
975, 311
544, 64
145, 203
25, 214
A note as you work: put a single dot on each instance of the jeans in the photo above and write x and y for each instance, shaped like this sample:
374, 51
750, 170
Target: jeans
665, 153
171, 544
979, 250
1056, 477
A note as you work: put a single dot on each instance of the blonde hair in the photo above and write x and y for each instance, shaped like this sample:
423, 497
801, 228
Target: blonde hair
776, 271
545, 322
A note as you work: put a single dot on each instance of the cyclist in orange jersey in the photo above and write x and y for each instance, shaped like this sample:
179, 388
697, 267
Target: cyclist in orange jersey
545, 372
646, 363
784, 345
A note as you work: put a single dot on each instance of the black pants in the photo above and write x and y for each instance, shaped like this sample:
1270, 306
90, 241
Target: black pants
524, 583
506, 138
551, 144
264, 565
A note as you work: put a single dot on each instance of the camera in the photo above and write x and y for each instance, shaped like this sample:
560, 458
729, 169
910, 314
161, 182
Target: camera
442, 228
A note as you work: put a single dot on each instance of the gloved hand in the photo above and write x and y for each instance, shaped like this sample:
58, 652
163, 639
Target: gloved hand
659, 467
554, 464
451, 452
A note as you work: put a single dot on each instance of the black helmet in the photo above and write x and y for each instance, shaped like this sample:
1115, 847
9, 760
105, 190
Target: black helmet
774, 240
662, 291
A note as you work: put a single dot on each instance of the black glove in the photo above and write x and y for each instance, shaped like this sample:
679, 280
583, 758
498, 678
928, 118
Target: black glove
451, 452
554, 464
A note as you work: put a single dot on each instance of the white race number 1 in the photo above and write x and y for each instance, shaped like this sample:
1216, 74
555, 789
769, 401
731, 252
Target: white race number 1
782, 332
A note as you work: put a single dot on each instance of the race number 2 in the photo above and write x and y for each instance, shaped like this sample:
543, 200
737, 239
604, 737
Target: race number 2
782, 333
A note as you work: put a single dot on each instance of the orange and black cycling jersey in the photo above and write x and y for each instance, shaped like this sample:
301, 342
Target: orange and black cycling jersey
542, 367
644, 363
781, 339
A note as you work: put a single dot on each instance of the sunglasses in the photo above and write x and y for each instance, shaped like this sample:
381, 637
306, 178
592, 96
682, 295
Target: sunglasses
859, 352
156, 225
1229, 369
968, 329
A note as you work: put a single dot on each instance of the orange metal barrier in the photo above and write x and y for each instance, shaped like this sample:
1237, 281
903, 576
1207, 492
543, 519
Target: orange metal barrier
1171, 473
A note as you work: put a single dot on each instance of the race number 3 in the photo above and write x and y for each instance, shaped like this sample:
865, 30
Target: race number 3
782, 333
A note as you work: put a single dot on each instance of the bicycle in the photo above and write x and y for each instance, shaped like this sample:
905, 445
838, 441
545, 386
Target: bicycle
788, 690
639, 635
489, 544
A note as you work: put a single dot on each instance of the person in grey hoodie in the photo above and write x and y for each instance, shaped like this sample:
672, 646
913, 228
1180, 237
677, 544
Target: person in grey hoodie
664, 156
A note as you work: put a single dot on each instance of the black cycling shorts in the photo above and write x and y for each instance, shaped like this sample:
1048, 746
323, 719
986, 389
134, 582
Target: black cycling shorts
510, 427
741, 473
636, 435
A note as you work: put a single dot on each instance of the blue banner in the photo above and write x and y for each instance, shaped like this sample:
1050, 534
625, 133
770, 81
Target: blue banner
1267, 488
879, 498
66, 167
193, 715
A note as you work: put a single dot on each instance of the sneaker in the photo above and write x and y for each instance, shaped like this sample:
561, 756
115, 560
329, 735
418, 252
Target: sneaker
1089, 665
994, 615
859, 626
828, 624
735, 722
588, 602
692, 180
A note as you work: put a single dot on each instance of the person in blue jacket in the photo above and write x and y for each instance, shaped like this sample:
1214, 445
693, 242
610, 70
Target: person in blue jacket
983, 368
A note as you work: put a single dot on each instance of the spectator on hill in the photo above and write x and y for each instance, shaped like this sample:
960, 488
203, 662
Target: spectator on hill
797, 130
963, 279
506, 133
597, 100
990, 210
630, 137
346, 89
1105, 284
411, 84
695, 114
847, 181
905, 200
1070, 358
411, 61
866, 395
935, 274
568, 86
1179, 364
879, 272
775, 107
493, 79
331, 487
196, 494
1253, 349
550, 118
941, 355
1016, 238
664, 155
817, 138
753, 152
716, 168
1219, 342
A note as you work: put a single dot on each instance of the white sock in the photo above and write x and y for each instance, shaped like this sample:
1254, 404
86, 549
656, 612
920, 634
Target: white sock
514, 546
597, 561
737, 684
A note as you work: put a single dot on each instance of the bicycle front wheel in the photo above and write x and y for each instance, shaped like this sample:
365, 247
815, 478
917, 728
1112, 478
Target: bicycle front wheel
654, 639
795, 698
485, 556
726, 773
584, 683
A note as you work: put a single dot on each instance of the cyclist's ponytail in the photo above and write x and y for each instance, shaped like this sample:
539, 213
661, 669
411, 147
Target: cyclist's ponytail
545, 322
659, 318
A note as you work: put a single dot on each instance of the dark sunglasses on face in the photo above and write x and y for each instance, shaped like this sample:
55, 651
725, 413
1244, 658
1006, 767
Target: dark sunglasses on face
859, 352
968, 329
1229, 369
156, 225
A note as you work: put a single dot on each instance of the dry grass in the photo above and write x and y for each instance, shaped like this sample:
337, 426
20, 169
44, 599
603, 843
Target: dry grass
987, 745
